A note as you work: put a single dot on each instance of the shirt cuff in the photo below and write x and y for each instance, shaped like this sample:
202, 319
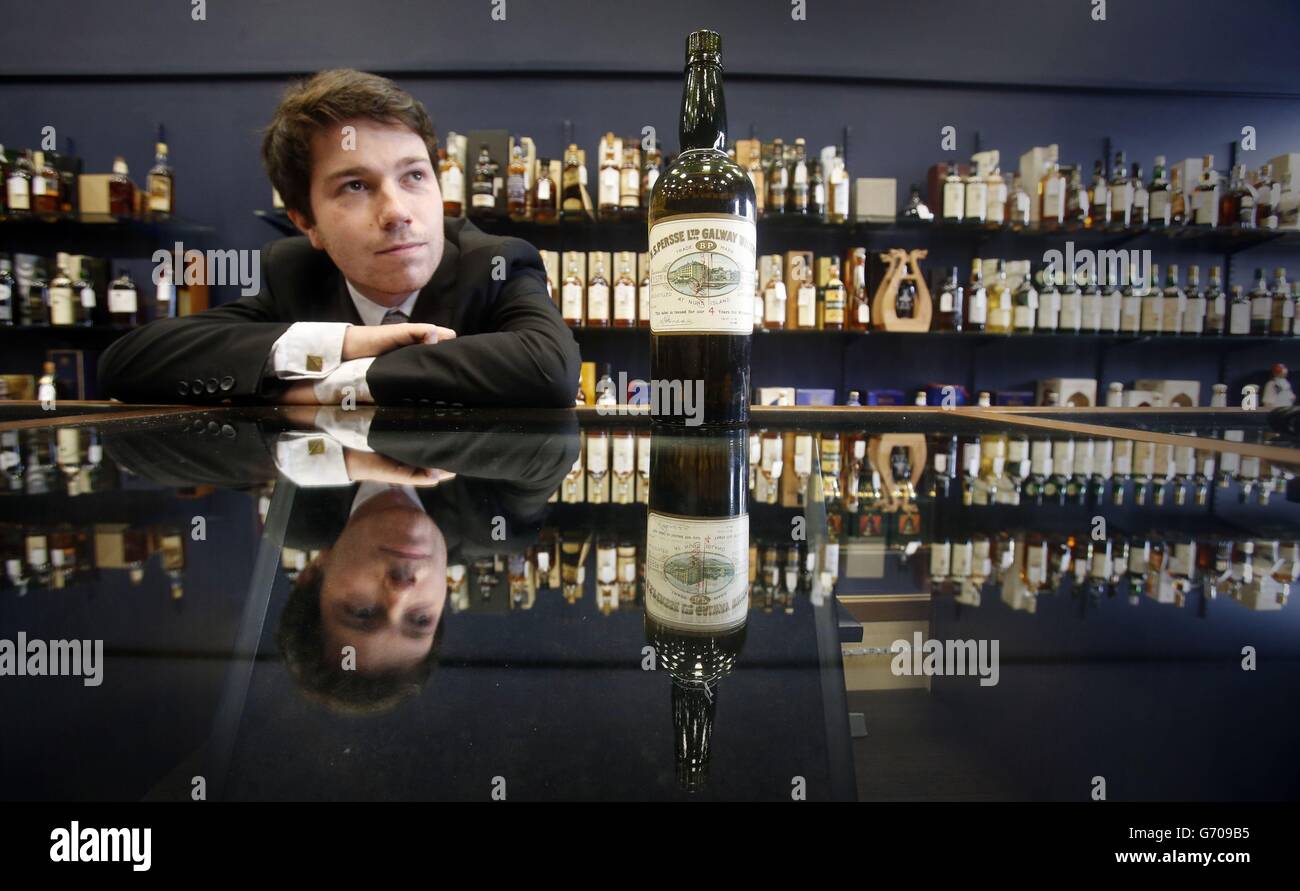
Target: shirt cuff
308, 350
350, 376
351, 428
311, 459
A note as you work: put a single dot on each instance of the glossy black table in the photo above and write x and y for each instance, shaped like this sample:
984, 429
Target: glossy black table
193, 542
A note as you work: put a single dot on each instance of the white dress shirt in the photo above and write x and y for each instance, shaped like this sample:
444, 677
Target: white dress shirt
314, 351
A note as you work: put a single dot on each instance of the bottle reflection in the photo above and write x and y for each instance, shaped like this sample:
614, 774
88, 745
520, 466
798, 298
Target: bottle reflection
697, 579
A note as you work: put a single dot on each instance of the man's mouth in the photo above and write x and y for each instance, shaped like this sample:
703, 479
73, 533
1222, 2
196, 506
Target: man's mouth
402, 249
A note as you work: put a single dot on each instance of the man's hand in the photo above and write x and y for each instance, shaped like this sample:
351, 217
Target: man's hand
362, 341
382, 469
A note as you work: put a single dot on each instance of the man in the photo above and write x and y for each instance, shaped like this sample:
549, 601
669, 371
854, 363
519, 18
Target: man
380, 300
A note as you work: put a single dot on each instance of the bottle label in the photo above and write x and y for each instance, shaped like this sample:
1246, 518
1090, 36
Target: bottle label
1111, 306
1088, 314
1023, 318
484, 199
807, 300
598, 302
841, 204
609, 185
697, 571
1153, 311
160, 193
1261, 307
953, 201
979, 307
1239, 318
643, 303
625, 302
121, 300
1131, 313
570, 301
19, 196
630, 187
61, 306
945, 301
1194, 315
453, 186
543, 190
833, 307
1160, 207
88, 297
1206, 204
624, 455
702, 269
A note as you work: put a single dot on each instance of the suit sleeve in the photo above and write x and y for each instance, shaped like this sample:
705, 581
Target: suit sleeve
529, 359
204, 358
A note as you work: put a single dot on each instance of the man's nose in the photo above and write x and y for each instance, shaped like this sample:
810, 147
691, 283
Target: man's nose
393, 209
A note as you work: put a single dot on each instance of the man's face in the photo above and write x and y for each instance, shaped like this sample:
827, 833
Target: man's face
384, 584
377, 207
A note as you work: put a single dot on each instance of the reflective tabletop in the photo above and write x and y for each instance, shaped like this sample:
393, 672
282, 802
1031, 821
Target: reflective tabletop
302, 603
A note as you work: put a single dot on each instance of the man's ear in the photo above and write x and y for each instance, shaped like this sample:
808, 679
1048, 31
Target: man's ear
305, 228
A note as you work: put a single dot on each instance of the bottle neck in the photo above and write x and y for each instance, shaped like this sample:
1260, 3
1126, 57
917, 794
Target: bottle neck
704, 110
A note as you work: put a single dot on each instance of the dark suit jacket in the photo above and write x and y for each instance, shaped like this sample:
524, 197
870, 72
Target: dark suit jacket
500, 471
512, 346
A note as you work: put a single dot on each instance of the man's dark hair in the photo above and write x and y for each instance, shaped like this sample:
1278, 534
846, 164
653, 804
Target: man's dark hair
322, 679
326, 98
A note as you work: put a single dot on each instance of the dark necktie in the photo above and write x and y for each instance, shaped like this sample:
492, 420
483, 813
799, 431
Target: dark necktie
394, 317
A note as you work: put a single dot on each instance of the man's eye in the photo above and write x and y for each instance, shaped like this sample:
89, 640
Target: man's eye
362, 612
422, 621
418, 174
348, 186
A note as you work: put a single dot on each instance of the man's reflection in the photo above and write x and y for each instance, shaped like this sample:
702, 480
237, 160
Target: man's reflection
385, 507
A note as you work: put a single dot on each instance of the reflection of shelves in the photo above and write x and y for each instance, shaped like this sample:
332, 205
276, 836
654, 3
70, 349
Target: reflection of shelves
767, 520
974, 337
100, 235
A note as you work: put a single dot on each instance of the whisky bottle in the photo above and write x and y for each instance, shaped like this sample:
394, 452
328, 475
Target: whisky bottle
1018, 205
164, 303
629, 180
1181, 213
977, 197
697, 577
1121, 194
778, 178
1076, 201
774, 299
571, 295
650, 173
517, 185
1160, 195
999, 296
702, 252
837, 189
817, 192
1130, 313
8, 315
18, 185
1239, 202
977, 300
859, 299
84, 292
1055, 312
1076, 303
45, 186
483, 198
1112, 305
954, 195
1239, 312
805, 293
451, 179
798, 196
609, 178
1051, 197
1194, 311
62, 302
160, 181
122, 301
1099, 198
1140, 203
833, 299
574, 178
121, 191
1205, 201
598, 295
1216, 308
545, 195
1024, 305
38, 299
1283, 307
1153, 307
1266, 195
1175, 304
624, 298
949, 314
1261, 305
995, 210
643, 297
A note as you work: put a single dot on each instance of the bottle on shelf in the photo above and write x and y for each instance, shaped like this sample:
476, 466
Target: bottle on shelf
858, 296
1284, 309
18, 185
160, 181
517, 185
598, 314
977, 300
1120, 213
1195, 307
797, 197
805, 314
121, 191
1266, 194
1073, 305
1160, 195
38, 299
1174, 319
995, 213
625, 297
1112, 304
778, 179
1024, 305
84, 293
1237, 204
954, 195
703, 193
1018, 205
483, 190
1239, 312
573, 179
8, 308
650, 169
572, 295
63, 303
1205, 201
948, 316
451, 181
1216, 304
1051, 197
1000, 306
774, 298
1261, 305
608, 179
1139, 199
1100, 198
833, 298
629, 182
1153, 306
817, 192
915, 209
977, 196
1076, 201
45, 186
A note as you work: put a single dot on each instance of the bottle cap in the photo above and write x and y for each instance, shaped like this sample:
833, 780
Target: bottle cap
700, 43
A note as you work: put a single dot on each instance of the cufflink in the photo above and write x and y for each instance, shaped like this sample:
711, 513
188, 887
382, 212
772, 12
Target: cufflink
315, 363
316, 446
